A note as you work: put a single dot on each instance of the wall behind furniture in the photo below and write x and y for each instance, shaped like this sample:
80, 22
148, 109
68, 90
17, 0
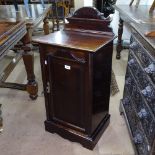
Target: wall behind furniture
143, 2
88, 2
81, 3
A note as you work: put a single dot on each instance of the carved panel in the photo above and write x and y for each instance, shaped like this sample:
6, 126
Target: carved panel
88, 12
150, 70
141, 53
137, 71
139, 97
139, 137
70, 55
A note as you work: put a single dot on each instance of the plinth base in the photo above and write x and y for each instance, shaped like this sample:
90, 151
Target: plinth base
87, 141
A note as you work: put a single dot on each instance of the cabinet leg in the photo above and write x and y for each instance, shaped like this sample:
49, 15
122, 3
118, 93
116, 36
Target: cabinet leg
119, 46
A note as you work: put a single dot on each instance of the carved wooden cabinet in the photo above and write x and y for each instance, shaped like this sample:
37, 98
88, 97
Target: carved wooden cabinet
76, 71
138, 103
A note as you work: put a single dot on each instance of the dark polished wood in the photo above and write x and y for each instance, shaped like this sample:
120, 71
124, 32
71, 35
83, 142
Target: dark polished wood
138, 100
131, 14
76, 73
10, 33
119, 41
98, 21
33, 16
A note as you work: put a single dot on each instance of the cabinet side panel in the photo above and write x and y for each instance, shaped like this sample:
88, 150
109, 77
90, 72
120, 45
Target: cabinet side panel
45, 78
101, 84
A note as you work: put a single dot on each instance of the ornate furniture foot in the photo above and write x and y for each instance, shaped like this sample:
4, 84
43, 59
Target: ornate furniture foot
119, 41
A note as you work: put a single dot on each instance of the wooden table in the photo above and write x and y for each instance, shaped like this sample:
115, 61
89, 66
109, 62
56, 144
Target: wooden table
33, 16
10, 33
131, 14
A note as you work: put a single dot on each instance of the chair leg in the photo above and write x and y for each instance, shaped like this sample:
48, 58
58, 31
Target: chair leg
137, 4
1, 119
131, 2
56, 13
152, 6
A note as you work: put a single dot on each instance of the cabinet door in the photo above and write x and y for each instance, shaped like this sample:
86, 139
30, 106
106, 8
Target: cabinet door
67, 91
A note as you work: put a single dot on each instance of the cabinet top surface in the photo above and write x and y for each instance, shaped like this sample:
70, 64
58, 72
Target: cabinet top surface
87, 40
28, 13
136, 15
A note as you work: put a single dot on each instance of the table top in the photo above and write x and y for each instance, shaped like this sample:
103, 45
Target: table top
10, 33
139, 19
86, 40
144, 29
138, 15
31, 14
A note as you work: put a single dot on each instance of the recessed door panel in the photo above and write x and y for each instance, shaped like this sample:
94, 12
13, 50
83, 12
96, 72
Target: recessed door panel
67, 90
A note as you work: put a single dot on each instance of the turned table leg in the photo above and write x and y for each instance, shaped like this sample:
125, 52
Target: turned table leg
46, 26
119, 46
56, 15
1, 119
152, 7
51, 15
28, 58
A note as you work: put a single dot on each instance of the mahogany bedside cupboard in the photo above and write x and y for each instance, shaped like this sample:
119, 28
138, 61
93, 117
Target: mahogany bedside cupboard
76, 73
